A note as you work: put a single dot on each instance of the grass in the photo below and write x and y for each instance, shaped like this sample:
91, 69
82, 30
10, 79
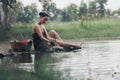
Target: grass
90, 29
3, 34
21, 31
72, 30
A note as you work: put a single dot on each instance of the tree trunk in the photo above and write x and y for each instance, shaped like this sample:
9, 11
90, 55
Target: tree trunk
1, 15
5, 21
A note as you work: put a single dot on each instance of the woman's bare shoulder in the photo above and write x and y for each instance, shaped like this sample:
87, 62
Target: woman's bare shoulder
36, 25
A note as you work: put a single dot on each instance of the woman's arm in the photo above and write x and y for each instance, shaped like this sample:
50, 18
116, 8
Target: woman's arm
39, 32
52, 40
48, 37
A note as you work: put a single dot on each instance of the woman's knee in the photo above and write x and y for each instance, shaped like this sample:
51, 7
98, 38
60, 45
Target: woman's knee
53, 31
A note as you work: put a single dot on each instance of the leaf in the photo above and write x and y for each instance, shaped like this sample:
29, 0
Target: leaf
13, 1
40, 0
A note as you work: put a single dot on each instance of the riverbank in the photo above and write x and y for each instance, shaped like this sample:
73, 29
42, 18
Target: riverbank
5, 45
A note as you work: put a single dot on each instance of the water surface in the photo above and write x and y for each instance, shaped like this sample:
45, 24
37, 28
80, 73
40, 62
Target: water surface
97, 60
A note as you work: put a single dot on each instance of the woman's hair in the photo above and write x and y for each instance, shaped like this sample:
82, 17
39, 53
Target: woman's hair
43, 14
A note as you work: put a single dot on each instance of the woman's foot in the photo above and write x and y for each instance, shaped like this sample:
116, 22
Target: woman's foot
77, 47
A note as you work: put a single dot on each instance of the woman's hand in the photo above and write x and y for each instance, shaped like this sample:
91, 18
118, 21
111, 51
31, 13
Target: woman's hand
52, 42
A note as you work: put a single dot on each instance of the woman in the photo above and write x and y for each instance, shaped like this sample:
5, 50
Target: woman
43, 40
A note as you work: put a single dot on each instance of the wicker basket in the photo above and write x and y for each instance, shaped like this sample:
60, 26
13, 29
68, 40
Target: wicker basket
21, 45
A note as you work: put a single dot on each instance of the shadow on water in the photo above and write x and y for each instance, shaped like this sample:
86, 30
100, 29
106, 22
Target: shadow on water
43, 69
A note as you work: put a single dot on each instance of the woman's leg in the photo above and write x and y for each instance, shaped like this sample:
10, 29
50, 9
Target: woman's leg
66, 44
54, 35
60, 42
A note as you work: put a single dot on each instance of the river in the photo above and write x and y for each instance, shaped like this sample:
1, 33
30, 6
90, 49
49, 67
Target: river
97, 60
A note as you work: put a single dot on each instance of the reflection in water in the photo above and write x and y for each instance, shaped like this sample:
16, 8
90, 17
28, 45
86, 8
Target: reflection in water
97, 60
24, 62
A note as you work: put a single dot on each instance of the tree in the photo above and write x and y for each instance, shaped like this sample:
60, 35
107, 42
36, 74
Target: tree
108, 13
83, 9
114, 13
53, 11
119, 11
83, 12
5, 5
70, 13
92, 8
101, 7
22, 14
28, 14
15, 14
45, 4
65, 16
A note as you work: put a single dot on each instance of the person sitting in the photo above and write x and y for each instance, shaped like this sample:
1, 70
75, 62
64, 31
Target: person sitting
42, 39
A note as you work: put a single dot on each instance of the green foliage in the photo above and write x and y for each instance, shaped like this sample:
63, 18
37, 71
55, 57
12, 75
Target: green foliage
66, 30
9, 72
91, 29
4, 35
92, 8
119, 11
95, 9
101, 1
28, 14
70, 13
21, 31
23, 14
45, 72
83, 9
5, 4
45, 5
53, 11
70, 30
8, 1
101, 7
14, 15
17, 13
108, 13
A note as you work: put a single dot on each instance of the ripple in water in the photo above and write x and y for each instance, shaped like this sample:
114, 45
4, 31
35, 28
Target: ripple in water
97, 60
